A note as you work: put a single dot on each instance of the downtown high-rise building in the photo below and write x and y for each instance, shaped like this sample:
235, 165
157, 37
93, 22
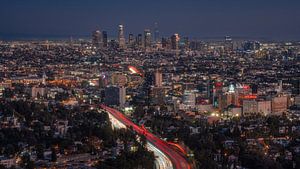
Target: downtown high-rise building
156, 32
139, 40
131, 39
175, 41
97, 39
121, 37
147, 38
105, 39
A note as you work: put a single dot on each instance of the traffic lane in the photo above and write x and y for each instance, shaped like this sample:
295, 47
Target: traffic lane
179, 161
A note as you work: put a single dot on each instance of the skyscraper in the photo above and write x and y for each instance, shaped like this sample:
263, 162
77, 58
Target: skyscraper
105, 40
156, 32
122, 43
166, 43
130, 40
228, 44
175, 41
147, 38
97, 39
186, 42
139, 40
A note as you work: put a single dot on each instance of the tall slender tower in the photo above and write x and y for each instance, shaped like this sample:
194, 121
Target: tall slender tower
147, 38
122, 43
139, 40
130, 40
156, 32
175, 41
104, 37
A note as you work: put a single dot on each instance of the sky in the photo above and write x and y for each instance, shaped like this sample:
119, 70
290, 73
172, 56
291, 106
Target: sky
268, 19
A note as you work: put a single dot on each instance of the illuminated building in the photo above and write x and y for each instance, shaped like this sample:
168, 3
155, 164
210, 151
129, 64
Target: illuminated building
130, 39
115, 96
139, 40
189, 99
166, 43
158, 78
279, 105
264, 107
103, 81
249, 107
156, 32
147, 38
251, 46
186, 42
105, 39
158, 95
97, 39
122, 41
37, 92
228, 45
44, 79
118, 79
175, 41
297, 101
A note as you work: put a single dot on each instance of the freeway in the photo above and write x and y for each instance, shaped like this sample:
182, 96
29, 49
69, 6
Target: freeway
178, 161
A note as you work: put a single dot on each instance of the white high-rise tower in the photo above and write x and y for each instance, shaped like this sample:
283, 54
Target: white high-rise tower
122, 42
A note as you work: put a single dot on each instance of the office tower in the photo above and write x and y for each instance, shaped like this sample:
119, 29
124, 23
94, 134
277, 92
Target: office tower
130, 40
115, 96
164, 43
189, 99
122, 42
175, 41
158, 78
97, 39
186, 42
228, 44
105, 40
147, 38
156, 32
139, 40
251, 46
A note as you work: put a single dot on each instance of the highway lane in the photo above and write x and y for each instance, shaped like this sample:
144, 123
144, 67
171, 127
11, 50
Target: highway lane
161, 160
178, 161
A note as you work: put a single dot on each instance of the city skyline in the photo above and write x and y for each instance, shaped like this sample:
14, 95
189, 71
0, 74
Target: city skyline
197, 19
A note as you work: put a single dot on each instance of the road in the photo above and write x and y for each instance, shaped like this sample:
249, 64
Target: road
178, 161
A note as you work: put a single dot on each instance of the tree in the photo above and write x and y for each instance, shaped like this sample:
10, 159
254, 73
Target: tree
2, 166
40, 151
26, 162
53, 155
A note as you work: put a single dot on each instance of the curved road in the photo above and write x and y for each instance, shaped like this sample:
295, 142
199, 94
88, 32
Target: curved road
178, 161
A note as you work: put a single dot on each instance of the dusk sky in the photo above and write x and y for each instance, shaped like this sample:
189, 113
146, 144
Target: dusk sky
271, 19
